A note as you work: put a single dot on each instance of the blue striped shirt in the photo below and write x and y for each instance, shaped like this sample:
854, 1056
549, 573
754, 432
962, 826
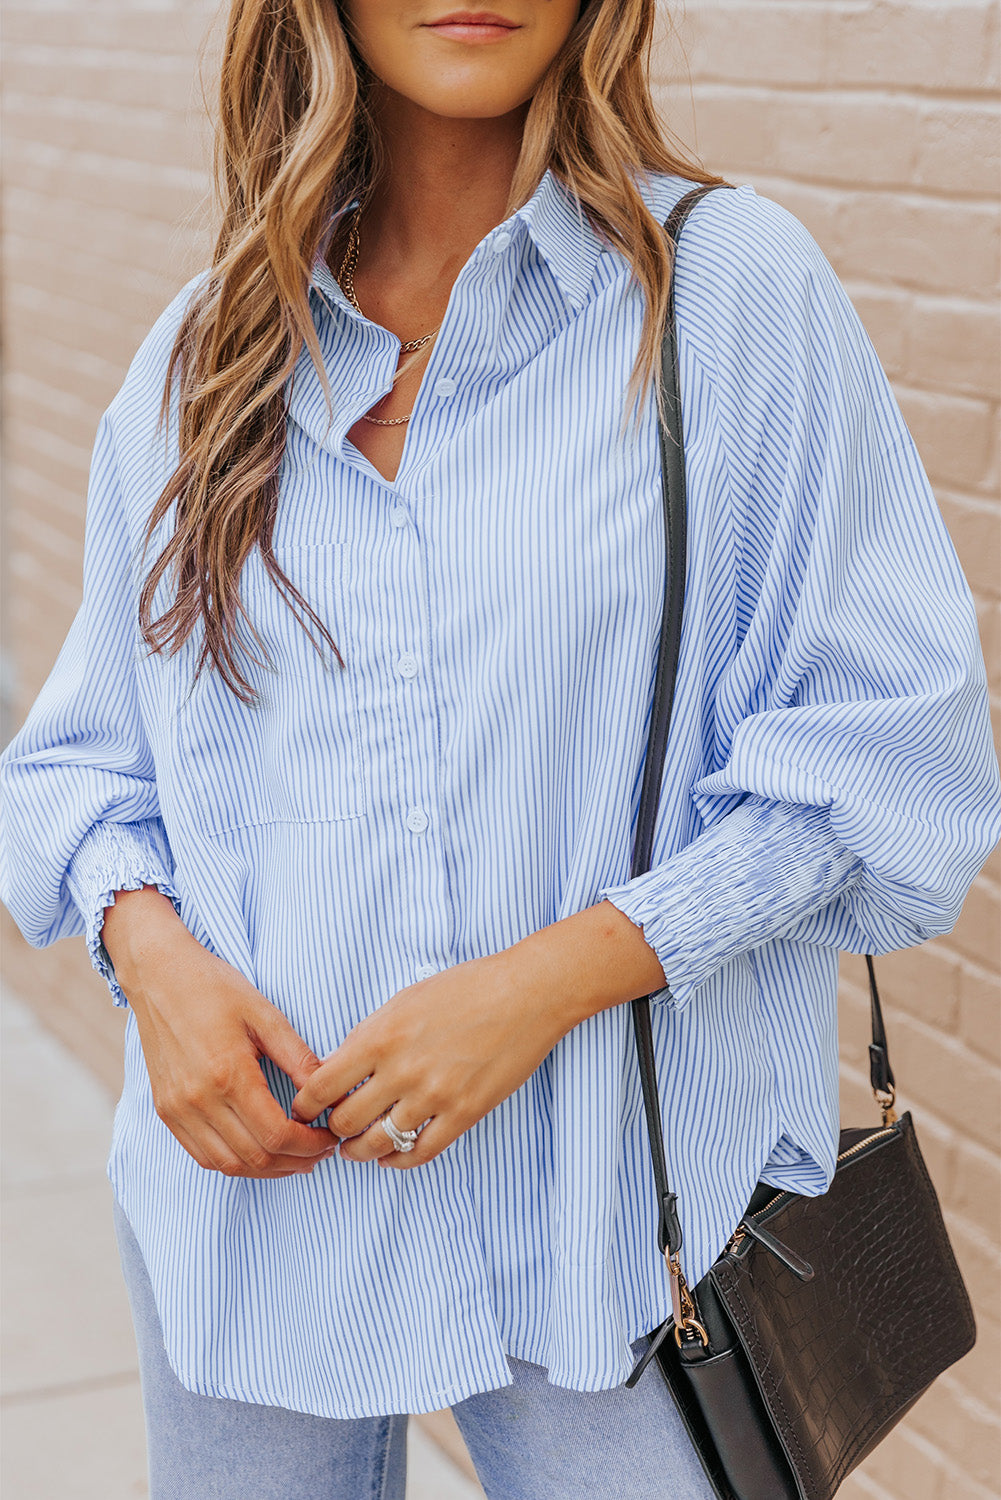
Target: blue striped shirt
473, 774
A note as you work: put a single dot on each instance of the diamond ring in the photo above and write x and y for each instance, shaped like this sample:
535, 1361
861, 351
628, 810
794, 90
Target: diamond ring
403, 1140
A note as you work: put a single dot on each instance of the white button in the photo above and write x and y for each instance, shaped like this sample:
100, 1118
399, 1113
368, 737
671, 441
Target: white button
426, 971
407, 665
445, 386
398, 516
417, 820
501, 242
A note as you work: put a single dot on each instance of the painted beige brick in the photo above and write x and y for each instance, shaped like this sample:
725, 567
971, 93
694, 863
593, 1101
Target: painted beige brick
976, 1188
59, 370
753, 44
84, 1019
989, 628
149, 135
104, 181
954, 434
45, 496
954, 345
958, 147
931, 244
980, 1011
888, 317
977, 934
905, 1463
993, 475
959, 1486
973, 526
845, 138
978, 1373
913, 46
144, 80
117, 331
85, 283
32, 401
45, 450
173, 26
992, 865
963, 1425
946, 1079
937, 1140
739, 123
925, 981
937, 1137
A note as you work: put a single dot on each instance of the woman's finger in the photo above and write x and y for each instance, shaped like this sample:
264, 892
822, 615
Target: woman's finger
433, 1139
337, 1076
272, 1032
375, 1140
257, 1160
246, 1094
224, 1145
362, 1107
211, 1151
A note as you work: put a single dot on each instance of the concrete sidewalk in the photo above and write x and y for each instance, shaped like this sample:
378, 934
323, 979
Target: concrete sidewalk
71, 1406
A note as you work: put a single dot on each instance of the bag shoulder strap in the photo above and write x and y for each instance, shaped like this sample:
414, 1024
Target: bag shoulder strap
675, 528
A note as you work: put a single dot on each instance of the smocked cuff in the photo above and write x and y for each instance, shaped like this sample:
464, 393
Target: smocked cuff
754, 874
117, 857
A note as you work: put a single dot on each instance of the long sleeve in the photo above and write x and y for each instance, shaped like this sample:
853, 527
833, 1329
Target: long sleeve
745, 881
854, 700
117, 857
80, 813
856, 682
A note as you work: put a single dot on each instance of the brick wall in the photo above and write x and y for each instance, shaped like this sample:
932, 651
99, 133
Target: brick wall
876, 123
107, 214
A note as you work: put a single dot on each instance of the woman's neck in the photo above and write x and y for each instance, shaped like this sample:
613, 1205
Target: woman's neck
446, 186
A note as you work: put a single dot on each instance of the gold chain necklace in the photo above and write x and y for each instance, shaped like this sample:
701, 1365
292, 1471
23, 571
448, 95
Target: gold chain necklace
347, 283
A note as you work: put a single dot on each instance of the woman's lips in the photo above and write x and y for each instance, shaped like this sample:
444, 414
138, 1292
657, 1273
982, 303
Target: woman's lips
469, 30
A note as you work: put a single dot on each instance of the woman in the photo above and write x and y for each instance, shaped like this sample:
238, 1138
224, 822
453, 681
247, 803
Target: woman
339, 764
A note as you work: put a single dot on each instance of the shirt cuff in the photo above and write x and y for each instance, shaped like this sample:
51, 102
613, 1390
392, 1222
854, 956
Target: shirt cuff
117, 857
743, 882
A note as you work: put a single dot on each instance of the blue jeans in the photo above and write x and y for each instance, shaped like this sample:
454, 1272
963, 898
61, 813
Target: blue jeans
528, 1441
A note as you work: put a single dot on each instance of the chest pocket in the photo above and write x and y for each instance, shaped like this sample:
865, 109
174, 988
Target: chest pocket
293, 756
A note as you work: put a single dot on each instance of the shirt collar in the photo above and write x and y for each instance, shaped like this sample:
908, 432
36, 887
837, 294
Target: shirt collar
562, 233
555, 220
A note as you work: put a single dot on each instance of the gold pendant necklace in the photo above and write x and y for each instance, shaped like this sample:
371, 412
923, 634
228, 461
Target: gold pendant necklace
347, 284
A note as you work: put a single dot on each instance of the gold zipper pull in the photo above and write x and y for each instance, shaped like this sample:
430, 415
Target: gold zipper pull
735, 1239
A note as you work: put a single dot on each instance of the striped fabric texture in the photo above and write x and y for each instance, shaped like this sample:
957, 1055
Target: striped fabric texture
473, 773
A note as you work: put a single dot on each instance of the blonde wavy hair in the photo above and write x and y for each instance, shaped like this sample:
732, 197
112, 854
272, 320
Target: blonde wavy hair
295, 142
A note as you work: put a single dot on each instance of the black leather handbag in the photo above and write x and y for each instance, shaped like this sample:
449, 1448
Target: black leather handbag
823, 1319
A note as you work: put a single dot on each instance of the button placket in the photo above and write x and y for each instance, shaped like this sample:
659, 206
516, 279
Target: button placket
414, 735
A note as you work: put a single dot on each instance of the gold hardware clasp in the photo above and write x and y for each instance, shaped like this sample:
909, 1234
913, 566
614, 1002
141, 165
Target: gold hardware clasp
682, 1305
692, 1323
885, 1098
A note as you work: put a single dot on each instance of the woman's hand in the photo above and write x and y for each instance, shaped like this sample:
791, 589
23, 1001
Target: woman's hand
204, 1028
451, 1047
